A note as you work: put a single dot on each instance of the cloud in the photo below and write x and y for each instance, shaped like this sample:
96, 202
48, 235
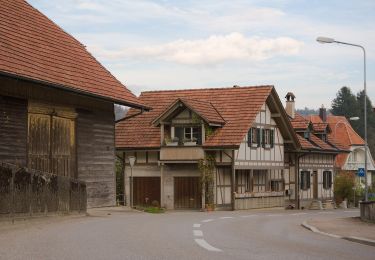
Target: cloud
212, 50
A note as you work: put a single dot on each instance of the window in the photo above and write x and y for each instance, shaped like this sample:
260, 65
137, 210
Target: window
243, 181
277, 185
259, 179
268, 138
306, 135
253, 137
327, 180
187, 134
305, 180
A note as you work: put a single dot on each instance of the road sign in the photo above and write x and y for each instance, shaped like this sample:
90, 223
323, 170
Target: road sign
361, 172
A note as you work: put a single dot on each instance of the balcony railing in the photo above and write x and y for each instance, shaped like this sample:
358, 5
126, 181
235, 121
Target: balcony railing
181, 153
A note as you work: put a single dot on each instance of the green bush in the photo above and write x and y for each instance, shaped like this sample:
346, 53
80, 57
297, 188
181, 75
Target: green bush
154, 210
343, 187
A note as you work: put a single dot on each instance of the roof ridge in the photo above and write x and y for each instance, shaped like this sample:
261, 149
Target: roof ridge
206, 88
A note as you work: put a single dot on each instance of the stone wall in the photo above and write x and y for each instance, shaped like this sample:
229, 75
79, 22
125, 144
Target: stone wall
367, 210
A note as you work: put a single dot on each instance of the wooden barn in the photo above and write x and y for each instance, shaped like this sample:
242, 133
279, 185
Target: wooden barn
57, 103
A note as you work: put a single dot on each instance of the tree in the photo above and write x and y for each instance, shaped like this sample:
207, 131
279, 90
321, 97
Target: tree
345, 103
359, 126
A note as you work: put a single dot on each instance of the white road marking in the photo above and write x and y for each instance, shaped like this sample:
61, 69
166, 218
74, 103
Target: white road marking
248, 216
225, 217
196, 225
201, 242
275, 215
198, 233
325, 212
298, 214
207, 220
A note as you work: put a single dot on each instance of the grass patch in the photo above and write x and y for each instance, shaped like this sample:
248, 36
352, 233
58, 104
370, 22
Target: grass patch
154, 210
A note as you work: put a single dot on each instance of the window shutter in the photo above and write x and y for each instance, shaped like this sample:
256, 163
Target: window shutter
249, 135
330, 180
263, 138
308, 179
272, 133
258, 136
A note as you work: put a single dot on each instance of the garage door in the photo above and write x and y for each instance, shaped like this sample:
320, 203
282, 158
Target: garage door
187, 193
146, 190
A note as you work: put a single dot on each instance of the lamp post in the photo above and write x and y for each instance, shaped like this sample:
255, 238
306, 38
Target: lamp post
131, 162
330, 40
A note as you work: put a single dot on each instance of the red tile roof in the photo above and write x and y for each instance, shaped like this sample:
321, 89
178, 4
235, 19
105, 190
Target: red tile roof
299, 122
238, 107
32, 47
206, 110
343, 131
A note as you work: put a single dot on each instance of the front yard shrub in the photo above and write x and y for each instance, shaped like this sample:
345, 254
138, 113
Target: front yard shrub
343, 187
207, 169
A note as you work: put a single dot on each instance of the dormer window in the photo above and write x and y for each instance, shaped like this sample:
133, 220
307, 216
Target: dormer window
192, 133
306, 135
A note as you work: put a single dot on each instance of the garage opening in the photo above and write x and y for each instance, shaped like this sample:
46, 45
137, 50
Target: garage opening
187, 193
146, 190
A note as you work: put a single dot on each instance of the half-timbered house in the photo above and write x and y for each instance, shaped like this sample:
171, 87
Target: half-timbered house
312, 169
245, 129
352, 141
56, 102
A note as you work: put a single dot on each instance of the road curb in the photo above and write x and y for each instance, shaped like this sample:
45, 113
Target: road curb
360, 240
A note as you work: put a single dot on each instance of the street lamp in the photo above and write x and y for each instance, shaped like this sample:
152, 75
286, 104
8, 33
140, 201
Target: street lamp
331, 40
131, 162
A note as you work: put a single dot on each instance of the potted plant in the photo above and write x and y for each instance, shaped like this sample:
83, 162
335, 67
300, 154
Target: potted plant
190, 142
171, 142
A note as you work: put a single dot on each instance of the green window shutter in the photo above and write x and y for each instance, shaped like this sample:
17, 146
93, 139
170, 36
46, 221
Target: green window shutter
308, 179
258, 136
249, 135
263, 138
272, 133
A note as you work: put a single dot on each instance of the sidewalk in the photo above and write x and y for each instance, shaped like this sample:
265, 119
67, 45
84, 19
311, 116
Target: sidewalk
352, 229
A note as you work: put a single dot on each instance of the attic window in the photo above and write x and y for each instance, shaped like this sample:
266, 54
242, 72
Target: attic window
306, 135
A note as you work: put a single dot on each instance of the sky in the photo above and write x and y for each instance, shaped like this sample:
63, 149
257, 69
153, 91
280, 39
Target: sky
159, 45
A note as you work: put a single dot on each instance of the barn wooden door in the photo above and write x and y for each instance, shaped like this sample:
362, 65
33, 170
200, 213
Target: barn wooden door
146, 190
39, 135
187, 193
51, 144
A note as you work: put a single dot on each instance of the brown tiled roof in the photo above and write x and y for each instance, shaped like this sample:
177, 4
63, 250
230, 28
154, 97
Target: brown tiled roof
204, 109
343, 131
32, 47
305, 144
237, 106
299, 122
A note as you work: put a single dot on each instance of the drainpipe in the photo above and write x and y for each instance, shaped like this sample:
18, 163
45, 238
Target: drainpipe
233, 182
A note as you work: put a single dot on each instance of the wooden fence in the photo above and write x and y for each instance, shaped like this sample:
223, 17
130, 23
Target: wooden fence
26, 193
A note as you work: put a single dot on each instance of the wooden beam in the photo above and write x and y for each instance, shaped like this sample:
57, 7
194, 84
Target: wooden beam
275, 115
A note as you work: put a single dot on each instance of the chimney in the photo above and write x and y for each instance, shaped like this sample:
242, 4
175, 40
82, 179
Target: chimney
323, 113
290, 104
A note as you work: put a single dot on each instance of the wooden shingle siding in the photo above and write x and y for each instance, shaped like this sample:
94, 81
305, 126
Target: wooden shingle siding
96, 156
13, 130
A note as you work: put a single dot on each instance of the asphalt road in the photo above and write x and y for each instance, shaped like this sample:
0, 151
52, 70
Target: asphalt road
272, 234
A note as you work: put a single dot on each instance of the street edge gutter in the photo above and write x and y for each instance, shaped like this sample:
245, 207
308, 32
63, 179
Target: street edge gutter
360, 240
